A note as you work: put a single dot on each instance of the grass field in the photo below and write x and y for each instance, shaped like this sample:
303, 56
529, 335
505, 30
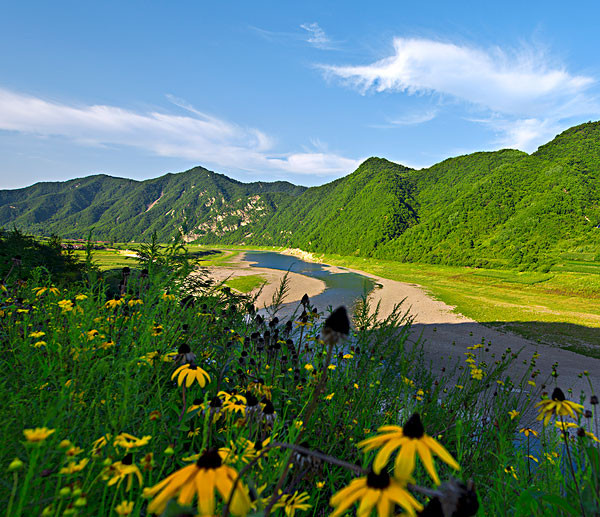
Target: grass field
561, 307
245, 284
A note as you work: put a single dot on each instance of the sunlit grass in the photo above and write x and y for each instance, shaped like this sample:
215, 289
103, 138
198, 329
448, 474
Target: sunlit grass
247, 283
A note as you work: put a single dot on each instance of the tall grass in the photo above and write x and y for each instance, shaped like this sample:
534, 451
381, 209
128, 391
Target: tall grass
287, 401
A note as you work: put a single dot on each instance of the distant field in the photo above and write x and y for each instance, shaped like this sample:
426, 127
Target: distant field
560, 307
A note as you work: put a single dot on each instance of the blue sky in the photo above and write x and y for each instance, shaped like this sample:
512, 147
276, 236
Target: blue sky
301, 91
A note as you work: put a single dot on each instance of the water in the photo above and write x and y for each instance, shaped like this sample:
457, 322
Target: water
342, 288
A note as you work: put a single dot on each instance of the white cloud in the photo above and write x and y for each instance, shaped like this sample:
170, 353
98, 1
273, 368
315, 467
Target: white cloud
200, 137
521, 87
316, 35
410, 119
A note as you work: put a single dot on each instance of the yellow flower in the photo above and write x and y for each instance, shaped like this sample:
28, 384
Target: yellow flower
156, 330
74, 467
235, 404
128, 441
292, 502
330, 396
36, 335
98, 444
347, 356
203, 478
66, 305
114, 303
477, 373
309, 367
121, 470
514, 414
511, 470
527, 431
135, 301
531, 383
374, 490
332, 367
39, 344
74, 451
557, 406
412, 440
39, 434
81, 297
190, 373
124, 508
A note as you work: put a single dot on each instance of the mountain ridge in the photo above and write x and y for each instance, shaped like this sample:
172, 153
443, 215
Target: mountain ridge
501, 208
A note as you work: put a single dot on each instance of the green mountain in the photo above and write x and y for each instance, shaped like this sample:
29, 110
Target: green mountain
500, 209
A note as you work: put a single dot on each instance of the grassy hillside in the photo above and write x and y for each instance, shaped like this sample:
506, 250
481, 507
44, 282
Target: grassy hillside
503, 209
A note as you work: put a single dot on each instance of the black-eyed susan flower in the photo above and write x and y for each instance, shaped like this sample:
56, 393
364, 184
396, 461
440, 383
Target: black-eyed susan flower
527, 431
74, 467
204, 477
37, 435
374, 491
291, 503
190, 373
124, 508
557, 406
184, 355
114, 303
123, 470
412, 440
513, 414
128, 441
235, 404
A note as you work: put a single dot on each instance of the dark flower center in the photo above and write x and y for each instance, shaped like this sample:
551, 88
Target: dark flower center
197, 402
414, 427
251, 400
338, 321
378, 481
216, 402
558, 395
269, 409
127, 460
184, 348
192, 367
209, 460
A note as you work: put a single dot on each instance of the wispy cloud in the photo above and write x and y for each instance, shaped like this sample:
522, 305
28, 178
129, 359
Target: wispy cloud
317, 36
197, 136
521, 87
408, 119
311, 33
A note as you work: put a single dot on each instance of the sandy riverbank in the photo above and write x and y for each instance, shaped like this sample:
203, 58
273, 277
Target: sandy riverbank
448, 334
298, 284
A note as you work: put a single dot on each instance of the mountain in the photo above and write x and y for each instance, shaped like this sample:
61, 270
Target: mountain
502, 209
196, 201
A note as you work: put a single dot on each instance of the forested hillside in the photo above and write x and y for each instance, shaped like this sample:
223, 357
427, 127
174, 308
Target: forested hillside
500, 209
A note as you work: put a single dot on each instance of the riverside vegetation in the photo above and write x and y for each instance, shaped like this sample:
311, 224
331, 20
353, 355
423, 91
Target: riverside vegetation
150, 390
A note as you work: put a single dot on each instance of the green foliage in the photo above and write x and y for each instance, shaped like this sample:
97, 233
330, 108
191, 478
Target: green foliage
91, 367
502, 209
21, 257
